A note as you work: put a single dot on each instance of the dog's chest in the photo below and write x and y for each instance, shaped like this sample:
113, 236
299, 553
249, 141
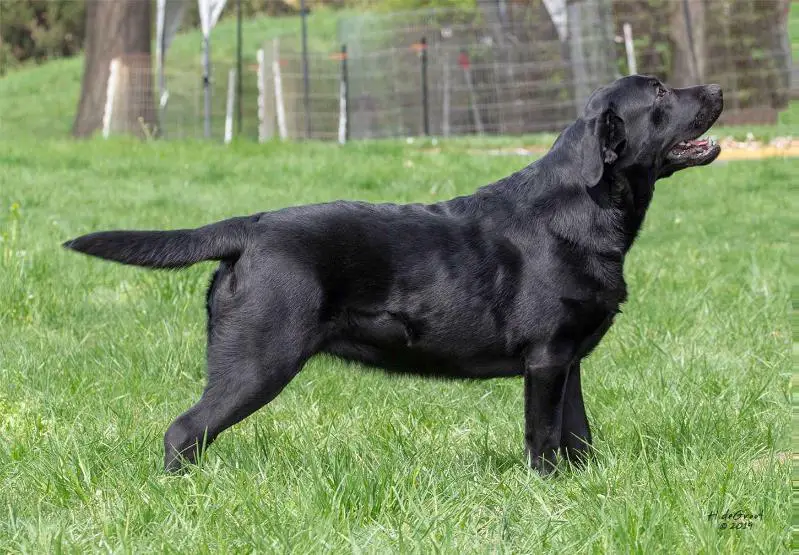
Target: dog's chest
591, 284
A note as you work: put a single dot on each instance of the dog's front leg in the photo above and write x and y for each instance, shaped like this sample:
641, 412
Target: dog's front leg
575, 432
544, 383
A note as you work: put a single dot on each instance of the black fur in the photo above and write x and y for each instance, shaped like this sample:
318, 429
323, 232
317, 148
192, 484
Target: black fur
168, 249
522, 278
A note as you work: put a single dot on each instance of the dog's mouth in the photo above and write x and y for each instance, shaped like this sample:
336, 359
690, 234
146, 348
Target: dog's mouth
694, 152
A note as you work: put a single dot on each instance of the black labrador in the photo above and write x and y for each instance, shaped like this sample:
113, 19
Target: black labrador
522, 278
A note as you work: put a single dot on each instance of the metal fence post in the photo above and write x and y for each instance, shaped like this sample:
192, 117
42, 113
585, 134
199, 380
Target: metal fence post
110, 95
445, 99
344, 99
465, 63
425, 96
239, 73
231, 100
263, 129
629, 47
207, 87
306, 100
280, 107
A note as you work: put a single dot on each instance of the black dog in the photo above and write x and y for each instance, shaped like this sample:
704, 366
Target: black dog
523, 277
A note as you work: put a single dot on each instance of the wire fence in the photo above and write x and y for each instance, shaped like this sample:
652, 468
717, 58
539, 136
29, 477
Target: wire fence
180, 114
527, 69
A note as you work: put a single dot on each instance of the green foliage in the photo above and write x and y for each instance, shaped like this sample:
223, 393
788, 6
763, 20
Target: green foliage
741, 51
40, 29
402, 5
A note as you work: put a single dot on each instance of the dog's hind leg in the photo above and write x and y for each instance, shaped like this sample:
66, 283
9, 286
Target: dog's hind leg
233, 393
575, 433
254, 350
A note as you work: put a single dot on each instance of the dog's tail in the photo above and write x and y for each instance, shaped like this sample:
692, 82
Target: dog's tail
179, 248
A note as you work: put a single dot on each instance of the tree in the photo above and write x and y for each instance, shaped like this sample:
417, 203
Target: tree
38, 30
117, 29
688, 33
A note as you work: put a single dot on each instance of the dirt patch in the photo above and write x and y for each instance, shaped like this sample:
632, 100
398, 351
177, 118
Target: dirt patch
779, 147
780, 458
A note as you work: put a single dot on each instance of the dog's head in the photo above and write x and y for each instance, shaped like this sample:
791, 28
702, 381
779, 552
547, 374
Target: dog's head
639, 123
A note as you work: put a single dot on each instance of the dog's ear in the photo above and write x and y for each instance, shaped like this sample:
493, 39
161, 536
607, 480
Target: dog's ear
603, 140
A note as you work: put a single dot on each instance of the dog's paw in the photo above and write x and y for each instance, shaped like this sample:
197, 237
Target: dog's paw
545, 464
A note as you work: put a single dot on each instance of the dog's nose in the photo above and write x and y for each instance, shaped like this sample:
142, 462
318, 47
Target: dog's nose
714, 90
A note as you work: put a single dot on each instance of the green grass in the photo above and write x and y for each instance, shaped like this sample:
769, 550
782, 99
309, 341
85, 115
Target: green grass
687, 394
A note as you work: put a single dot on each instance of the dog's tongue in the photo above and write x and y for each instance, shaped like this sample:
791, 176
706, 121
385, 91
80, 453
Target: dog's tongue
695, 142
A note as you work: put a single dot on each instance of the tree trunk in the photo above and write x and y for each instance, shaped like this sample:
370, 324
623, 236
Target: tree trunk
2, 50
782, 55
117, 29
690, 53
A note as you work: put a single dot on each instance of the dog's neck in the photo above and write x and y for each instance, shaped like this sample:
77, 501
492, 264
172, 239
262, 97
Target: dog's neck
618, 203
628, 192
609, 224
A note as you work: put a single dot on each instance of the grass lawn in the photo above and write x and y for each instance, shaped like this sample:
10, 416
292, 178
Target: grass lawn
687, 395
